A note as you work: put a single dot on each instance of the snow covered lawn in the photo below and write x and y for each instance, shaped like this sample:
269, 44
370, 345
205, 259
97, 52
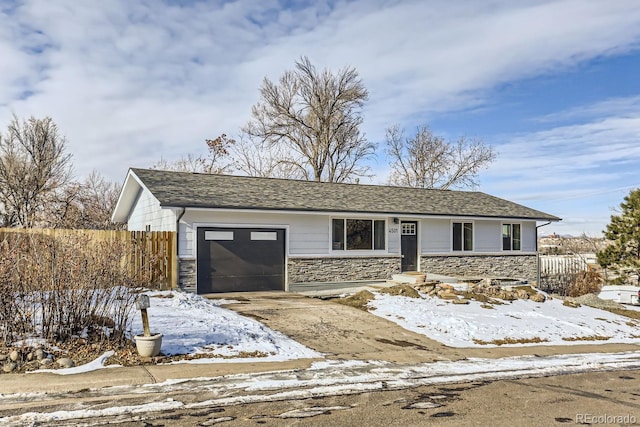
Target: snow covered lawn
193, 325
531, 323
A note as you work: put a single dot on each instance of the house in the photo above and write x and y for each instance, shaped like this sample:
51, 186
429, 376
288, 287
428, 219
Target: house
238, 233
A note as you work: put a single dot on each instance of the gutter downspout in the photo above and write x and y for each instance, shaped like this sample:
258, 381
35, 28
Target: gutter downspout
184, 210
538, 253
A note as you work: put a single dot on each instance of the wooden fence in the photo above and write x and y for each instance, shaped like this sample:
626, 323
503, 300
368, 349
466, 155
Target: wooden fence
153, 250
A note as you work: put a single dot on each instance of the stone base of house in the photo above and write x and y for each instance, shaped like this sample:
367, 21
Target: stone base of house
187, 274
512, 266
343, 269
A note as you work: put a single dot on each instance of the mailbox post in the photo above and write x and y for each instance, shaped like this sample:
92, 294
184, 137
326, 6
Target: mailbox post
142, 302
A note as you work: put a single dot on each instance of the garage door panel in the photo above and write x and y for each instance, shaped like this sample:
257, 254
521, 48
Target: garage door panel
238, 259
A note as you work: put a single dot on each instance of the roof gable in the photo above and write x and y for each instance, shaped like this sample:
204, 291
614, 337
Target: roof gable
195, 190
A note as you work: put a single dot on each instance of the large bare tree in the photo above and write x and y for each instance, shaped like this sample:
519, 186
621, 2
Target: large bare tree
425, 160
312, 119
34, 167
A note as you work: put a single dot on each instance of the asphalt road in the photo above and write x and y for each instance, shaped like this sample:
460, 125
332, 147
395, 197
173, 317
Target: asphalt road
597, 398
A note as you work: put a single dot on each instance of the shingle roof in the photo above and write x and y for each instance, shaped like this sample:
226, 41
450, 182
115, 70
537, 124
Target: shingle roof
182, 189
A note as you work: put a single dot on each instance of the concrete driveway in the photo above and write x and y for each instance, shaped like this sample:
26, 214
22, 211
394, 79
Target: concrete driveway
343, 332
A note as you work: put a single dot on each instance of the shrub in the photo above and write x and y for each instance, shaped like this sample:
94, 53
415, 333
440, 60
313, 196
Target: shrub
58, 288
585, 282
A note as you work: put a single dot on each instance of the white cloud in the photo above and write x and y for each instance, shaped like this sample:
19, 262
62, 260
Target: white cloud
128, 82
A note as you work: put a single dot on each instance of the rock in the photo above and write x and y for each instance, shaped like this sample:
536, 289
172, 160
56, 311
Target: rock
447, 295
14, 356
446, 286
46, 362
30, 356
569, 303
40, 354
538, 298
521, 294
65, 362
460, 301
3, 357
9, 367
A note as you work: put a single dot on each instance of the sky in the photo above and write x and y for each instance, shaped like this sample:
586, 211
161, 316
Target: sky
552, 86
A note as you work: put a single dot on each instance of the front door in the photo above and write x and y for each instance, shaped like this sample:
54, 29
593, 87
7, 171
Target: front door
409, 245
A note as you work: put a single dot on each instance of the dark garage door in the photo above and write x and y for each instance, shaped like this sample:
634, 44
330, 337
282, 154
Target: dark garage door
240, 259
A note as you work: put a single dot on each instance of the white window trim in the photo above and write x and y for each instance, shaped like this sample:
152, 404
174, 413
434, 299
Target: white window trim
473, 235
350, 252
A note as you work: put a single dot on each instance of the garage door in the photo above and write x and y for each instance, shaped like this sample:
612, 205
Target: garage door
240, 259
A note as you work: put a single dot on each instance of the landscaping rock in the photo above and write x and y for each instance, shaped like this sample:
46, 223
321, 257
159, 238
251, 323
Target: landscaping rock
460, 301
3, 357
40, 354
46, 362
9, 367
538, 298
65, 362
14, 356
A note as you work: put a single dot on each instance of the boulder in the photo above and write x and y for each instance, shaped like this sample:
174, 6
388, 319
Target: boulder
9, 367
46, 362
14, 356
538, 298
65, 362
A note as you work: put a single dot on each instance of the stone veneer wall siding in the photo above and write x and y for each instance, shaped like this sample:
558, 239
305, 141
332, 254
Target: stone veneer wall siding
343, 269
511, 266
187, 274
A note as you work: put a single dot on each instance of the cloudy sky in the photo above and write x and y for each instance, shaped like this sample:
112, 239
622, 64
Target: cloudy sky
553, 86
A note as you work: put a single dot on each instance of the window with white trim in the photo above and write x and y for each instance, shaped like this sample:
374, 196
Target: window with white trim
511, 237
353, 234
462, 236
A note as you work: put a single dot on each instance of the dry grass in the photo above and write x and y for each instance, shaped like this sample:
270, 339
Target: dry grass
633, 314
359, 300
508, 340
401, 290
587, 338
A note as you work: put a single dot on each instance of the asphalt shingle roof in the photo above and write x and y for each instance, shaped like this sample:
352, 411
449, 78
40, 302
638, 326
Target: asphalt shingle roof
183, 189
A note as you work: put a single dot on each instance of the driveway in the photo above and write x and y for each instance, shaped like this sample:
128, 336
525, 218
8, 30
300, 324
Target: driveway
343, 332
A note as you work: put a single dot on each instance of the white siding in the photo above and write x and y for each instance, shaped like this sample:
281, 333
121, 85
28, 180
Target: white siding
487, 236
435, 235
147, 212
307, 234
529, 236
393, 236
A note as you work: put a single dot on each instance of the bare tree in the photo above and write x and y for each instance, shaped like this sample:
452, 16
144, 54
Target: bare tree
315, 118
255, 157
88, 204
214, 163
429, 161
33, 167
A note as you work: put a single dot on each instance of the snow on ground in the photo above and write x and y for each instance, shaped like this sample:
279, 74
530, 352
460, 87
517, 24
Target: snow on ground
194, 325
331, 378
471, 325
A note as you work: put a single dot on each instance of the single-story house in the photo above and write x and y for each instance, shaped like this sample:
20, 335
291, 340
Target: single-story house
239, 233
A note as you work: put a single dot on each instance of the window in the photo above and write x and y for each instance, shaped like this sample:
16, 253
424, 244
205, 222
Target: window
462, 236
357, 234
511, 237
408, 228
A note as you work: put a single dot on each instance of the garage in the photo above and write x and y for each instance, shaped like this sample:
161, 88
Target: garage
240, 259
